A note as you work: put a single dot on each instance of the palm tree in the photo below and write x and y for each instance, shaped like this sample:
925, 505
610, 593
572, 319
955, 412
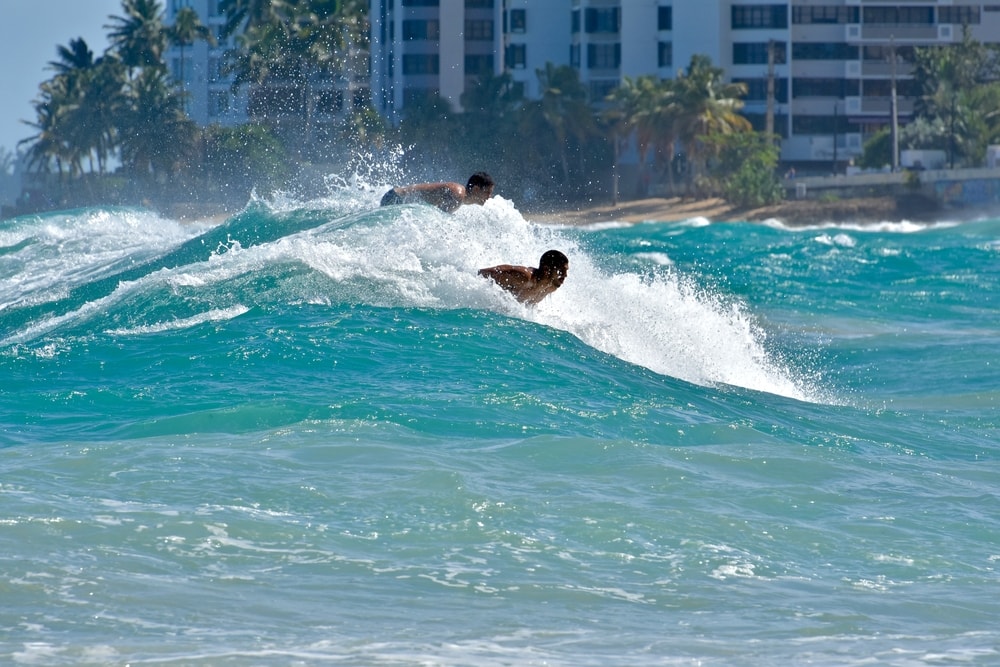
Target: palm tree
157, 137
186, 30
91, 97
705, 103
105, 102
644, 108
139, 37
949, 77
489, 114
286, 46
249, 14
48, 145
562, 109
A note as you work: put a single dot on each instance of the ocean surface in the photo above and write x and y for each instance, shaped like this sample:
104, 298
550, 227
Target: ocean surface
310, 434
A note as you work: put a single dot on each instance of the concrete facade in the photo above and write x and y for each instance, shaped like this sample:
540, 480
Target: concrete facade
833, 63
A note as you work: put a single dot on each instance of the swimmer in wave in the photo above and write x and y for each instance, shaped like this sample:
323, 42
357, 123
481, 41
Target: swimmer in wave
529, 285
446, 196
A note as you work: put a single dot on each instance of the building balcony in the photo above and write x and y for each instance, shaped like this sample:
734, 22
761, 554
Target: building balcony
878, 107
884, 33
881, 69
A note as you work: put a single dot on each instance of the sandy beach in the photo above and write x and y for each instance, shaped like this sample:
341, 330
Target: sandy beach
792, 212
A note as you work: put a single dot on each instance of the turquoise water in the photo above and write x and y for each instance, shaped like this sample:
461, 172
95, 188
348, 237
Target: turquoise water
310, 434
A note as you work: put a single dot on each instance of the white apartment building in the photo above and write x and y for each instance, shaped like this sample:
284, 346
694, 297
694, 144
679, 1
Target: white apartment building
199, 67
833, 62
210, 97
419, 47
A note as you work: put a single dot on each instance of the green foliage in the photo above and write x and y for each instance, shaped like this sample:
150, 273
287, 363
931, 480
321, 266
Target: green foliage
157, 137
124, 105
245, 158
746, 168
877, 151
684, 111
139, 37
959, 98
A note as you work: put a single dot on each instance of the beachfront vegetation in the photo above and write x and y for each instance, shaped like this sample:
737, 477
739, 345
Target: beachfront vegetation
112, 128
958, 110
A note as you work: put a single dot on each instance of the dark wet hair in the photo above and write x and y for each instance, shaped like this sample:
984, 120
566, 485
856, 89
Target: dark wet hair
479, 179
554, 259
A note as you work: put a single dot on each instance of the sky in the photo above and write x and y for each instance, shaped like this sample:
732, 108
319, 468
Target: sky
30, 31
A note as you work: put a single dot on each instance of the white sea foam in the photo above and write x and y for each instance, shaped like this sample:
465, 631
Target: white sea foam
217, 315
418, 256
63, 250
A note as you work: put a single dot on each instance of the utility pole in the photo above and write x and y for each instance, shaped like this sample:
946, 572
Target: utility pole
836, 123
893, 105
769, 118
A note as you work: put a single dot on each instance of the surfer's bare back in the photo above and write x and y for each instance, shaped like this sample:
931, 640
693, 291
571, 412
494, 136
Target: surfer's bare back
446, 196
529, 285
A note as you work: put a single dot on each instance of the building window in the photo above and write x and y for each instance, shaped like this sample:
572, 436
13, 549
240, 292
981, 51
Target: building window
759, 16
575, 21
755, 53
959, 15
665, 54
825, 14
421, 63
824, 51
476, 30
330, 102
604, 56
218, 102
362, 98
214, 73
420, 3
574, 55
599, 90
476, 65
422, 30
479, 4
602, 19
759, 122
665, 18
517, 56
803, 87
418, 97
757, 89
883, 88
518, 20
820, 125
883, 54
899, 15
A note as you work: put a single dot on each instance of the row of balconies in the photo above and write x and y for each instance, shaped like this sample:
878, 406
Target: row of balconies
885, 32
877, 107
846, 69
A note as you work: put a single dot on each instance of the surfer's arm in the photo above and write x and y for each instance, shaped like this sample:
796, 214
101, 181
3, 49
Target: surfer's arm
518, 280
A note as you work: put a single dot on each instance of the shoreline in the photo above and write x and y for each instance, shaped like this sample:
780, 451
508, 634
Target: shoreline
792, 212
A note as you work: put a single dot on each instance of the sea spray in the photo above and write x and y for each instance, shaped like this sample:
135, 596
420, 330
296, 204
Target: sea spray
314, 434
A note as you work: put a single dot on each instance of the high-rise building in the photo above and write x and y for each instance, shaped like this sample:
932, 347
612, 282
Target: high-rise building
202, 69
421, 48
819, 72
199, 68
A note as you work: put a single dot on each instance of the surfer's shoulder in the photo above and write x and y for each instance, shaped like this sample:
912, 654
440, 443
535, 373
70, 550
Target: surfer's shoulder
530, 285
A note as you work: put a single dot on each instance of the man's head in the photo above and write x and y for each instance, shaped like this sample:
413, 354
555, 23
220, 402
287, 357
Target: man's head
555, 266
479, 188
